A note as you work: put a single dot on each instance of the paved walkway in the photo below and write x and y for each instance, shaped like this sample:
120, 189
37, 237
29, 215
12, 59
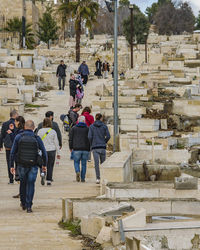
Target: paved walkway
22, 231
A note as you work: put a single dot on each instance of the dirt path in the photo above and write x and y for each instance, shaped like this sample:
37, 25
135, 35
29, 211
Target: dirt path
22, 231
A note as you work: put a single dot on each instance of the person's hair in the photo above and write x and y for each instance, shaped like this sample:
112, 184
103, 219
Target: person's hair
29, 124
78, 105
81, 119
21, 121
84, 61
71, 74
98, 116
86, 109
47, 123
61, 61
13, 113
48, 114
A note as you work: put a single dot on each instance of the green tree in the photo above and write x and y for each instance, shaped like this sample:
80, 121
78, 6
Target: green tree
198, 22
140, 26
15, 25
124, 3
81, 11
47, 27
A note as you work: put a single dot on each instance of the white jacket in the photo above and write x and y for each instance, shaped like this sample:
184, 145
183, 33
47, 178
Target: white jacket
50, 141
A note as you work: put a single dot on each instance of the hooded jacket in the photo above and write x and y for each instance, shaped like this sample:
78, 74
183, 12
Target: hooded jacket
72, 87
98, 135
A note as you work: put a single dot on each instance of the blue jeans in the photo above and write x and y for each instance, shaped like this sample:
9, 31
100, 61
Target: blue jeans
27, 184
81, 156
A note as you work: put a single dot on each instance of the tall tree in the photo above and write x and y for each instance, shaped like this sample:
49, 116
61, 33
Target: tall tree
140, 24
198, 22
15, 25
151, 11
82, 11
171, 19
47, 27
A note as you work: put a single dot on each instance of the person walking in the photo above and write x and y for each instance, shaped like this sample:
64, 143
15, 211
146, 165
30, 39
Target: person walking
106, 69
19, 124
6, 140
98, 65
25, 147
73, 85
73, 114
89, 120
84, 71
61, 74
79, 143
50, 140
98, 136
50, 115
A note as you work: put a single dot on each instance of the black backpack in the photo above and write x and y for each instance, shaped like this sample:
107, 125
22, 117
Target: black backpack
27, 154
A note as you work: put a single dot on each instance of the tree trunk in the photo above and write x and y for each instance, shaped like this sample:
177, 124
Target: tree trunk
78, 39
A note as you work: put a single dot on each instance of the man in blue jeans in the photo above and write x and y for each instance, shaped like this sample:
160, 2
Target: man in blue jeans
25, 150
79, 143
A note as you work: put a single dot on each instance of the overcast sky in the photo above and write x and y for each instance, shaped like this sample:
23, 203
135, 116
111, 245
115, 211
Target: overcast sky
143, 4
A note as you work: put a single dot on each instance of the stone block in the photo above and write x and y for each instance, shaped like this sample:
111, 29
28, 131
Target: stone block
92, 225
185, 183
163, 123
118, 168
134, 219
104, 236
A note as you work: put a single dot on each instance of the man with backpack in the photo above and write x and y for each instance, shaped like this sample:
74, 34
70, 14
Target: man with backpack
73, 114
5, 140
25, 150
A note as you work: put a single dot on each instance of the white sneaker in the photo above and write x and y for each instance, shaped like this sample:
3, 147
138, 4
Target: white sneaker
97, 181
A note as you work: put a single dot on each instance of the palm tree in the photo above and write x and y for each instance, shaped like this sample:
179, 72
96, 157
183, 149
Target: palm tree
80, 10
15, 25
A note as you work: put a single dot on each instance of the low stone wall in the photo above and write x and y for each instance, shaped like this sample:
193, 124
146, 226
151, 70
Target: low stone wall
77, 208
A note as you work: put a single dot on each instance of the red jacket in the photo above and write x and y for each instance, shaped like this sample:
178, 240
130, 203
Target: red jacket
89, 119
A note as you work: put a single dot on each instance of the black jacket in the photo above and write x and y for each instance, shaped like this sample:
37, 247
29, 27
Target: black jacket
61, 70
4, 129
72, 87
78, 137
56, 128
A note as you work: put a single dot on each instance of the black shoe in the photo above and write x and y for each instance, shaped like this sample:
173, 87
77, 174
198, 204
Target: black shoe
48, 183
29, 210
59, 89
23, 206
82, 180
42, 180
16, 196
78, 176
11, 182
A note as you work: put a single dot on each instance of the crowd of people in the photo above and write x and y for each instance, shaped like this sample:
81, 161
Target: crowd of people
29, 148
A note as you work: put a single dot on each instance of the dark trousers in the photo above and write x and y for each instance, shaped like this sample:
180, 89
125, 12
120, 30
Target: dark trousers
85, 78
50, 164
99, 154
10, 176
63, 82
27, 184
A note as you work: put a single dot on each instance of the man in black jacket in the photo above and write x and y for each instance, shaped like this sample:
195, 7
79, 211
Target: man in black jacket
55, 126
61, 74
8, 125
79, 143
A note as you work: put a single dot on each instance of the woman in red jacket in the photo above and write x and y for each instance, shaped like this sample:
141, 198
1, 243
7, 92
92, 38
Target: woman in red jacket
89, 119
